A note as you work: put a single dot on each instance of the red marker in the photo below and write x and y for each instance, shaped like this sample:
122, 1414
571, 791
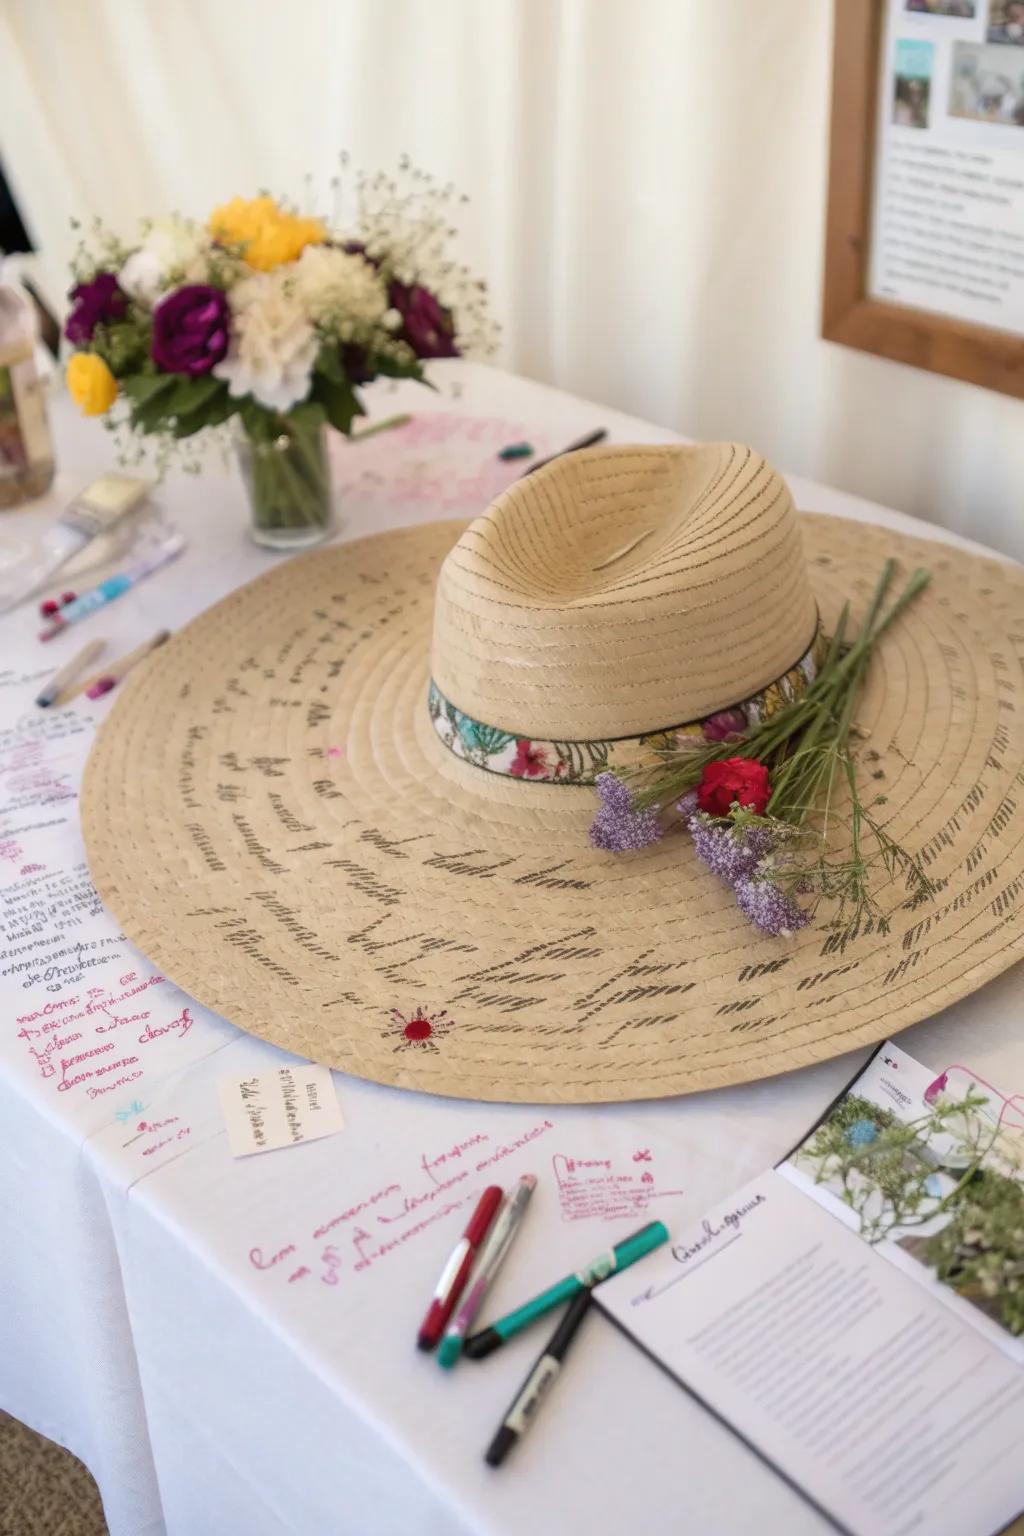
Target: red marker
456, 1272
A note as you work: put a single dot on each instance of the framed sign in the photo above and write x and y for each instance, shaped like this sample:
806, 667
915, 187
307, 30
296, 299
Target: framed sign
924, 255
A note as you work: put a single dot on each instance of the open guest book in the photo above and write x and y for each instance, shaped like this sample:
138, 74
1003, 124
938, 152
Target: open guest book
856, 1314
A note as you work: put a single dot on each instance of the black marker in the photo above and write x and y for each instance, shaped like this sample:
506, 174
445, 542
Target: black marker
539, 1382
581, 442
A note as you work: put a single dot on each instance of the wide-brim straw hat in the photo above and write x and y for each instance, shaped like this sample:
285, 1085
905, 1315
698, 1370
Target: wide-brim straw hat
347, 807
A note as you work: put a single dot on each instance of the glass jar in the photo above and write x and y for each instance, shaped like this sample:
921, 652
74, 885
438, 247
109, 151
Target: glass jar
26, 446
287, 479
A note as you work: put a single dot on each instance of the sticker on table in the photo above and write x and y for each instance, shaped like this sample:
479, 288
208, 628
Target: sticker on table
279, 1109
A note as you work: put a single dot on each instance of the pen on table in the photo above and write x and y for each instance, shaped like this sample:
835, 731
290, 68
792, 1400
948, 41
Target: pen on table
107, 590
453, 1277
387, 425
539, 1382
620, 1257
66, 674
492, 1256
101, 682
581, 442
511, 451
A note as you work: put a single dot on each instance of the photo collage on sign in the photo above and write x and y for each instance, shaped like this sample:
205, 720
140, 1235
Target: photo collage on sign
986, 74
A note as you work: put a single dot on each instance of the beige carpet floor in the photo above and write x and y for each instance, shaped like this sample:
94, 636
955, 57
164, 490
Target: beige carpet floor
44, 1490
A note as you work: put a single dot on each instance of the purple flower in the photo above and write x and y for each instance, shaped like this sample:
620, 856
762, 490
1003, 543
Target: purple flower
724, 725
190, 329
731, 853
726, 855
618, 827
356, 364
768, 907
95, 303
427, 326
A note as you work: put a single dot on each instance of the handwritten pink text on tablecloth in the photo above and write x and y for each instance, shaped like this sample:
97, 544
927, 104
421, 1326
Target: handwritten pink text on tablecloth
590, 1188
441, 458
443, 1181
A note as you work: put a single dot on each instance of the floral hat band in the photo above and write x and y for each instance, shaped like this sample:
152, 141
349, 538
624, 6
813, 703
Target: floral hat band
579, 762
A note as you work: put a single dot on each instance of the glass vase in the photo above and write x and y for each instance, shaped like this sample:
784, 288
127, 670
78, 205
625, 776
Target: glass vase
287, 479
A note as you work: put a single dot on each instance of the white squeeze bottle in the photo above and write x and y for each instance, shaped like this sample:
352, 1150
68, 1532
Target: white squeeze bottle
26, 447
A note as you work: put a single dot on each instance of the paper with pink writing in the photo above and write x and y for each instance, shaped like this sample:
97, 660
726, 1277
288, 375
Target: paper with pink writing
385, 1200
266, 1111
591, 1186
445, 458
86, 1023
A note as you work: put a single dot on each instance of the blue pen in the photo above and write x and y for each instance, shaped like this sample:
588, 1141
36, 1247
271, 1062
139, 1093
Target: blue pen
108, 590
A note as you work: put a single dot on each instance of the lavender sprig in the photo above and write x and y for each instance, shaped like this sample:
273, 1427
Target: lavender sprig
768, 907
618, 826
746, 852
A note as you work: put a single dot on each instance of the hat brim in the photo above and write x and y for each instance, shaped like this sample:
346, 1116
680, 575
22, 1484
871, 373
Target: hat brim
273, 820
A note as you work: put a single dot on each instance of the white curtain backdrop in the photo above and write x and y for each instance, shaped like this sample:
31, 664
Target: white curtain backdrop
647, 181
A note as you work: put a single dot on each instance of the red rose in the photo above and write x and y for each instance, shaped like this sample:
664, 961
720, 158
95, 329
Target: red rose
742, 779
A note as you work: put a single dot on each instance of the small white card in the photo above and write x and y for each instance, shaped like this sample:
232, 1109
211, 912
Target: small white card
279, 1109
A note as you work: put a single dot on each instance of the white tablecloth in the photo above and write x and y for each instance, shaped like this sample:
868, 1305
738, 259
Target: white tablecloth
228, 1343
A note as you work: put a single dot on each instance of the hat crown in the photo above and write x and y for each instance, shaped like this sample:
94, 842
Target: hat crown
622, 590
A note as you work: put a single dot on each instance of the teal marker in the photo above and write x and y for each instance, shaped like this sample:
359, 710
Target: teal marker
620, 1257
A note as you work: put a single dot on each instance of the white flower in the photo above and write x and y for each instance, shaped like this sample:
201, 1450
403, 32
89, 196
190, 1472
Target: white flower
340, 288
273, 343
174, 250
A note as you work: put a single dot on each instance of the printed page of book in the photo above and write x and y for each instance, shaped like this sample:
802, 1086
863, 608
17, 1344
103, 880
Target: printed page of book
862, 1389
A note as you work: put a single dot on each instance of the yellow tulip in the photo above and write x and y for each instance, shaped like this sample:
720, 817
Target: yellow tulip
92, 386
268, 234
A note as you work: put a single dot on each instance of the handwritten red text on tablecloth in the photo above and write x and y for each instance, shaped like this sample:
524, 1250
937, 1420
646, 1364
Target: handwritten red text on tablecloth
444, 1181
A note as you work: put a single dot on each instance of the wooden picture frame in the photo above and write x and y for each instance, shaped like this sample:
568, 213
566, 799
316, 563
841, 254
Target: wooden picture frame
962, 350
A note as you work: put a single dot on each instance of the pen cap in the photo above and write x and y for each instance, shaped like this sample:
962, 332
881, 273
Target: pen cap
632, 1248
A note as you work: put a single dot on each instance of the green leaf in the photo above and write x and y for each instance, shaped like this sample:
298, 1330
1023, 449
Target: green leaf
307, 417
142, 387
329, 364
339, 402
394, 368
149, 415
190, 395
123, 346
260, 424
214, 410
219, 408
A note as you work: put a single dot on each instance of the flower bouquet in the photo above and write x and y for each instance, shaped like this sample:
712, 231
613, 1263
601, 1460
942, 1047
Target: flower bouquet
761, 797
274, 320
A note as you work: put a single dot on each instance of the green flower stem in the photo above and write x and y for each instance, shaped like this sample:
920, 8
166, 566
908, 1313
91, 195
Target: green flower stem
289, 486
824, 711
